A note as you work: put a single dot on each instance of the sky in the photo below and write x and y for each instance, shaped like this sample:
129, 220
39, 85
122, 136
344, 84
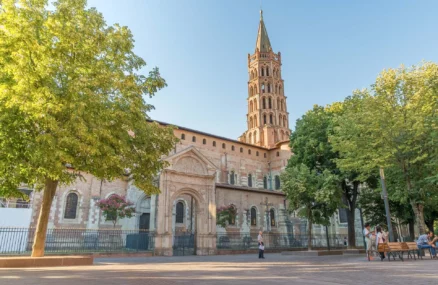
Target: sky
329, 48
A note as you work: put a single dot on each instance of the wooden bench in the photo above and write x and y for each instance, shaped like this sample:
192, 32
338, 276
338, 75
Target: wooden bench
412, 249
391, 248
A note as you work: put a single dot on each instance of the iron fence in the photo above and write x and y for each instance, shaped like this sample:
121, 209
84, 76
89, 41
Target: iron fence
240, 241
15, 241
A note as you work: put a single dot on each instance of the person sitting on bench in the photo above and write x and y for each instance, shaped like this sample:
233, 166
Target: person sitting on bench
424, 242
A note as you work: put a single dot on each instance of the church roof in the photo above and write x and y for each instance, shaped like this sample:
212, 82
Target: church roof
263, 44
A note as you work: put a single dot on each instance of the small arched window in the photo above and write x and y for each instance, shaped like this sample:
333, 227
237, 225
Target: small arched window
280, 120
264, 103
253, 216
251, 106
284, 122
255, 104
276, 88
241, 149
270, 103
193, 139
179, 212
204, 141
269, 87
264, 119
272, 212
279, 90
264, 155
71, 206
271, 121
214, 143
265, 182
232, 178
263, 87
278, 103
249, 151
278, 153
277, 182
263, 71
249, 180
223, 145
183, 136
232, 147
267, 71
257, 153
255, 121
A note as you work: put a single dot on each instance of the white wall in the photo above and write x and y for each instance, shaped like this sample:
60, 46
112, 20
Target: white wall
13, 229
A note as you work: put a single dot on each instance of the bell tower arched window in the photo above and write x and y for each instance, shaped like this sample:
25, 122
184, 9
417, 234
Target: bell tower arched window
179, 212
253, 216
264, 119
263, 87
271, 121
264, 103
267, 71
71, 206
270, 103
269, 87
263, 72
249, 180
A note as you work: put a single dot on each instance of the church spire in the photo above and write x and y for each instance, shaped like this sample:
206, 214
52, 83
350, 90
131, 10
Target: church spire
263, 44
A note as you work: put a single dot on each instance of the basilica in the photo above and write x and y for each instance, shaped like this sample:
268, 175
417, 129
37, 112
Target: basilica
206, 172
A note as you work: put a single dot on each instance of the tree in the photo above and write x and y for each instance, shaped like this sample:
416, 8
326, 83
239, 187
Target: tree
116, 207
392, 125
225, 215
314, 195
311, 146
71, 101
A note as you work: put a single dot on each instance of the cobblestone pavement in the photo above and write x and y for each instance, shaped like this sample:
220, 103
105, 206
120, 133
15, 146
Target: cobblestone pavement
232, 269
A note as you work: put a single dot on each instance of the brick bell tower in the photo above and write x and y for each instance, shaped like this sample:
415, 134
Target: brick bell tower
267, 117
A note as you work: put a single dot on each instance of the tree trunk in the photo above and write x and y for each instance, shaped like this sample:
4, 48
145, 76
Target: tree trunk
43, 219
412, 229
420, 226
429, 224
309, 230
351, 230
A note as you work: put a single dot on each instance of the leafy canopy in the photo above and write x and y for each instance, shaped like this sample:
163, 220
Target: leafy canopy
71, 94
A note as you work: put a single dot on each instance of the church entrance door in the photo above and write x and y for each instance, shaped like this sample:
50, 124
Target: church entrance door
184, 237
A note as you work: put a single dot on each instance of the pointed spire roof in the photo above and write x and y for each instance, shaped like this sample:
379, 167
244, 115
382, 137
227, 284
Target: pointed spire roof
263, 43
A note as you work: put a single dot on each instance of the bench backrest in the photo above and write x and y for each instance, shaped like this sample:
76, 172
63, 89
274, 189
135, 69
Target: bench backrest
382, 247
395, 246
411, 245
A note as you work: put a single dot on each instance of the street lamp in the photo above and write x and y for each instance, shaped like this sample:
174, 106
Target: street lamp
385, 199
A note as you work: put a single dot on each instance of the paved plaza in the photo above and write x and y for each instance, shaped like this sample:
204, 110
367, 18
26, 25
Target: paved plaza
231, 269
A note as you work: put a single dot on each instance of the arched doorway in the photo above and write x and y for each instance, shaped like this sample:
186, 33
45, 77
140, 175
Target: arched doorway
184, 222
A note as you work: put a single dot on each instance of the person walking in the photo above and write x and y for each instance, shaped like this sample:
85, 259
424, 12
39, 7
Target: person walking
380, 238
368, 235
260, 243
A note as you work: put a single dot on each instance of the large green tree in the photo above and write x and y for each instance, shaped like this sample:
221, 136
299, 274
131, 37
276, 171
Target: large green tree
311, 146
392, 125
71, 95
314, 195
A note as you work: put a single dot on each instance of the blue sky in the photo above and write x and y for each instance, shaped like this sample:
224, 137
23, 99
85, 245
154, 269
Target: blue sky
329, 48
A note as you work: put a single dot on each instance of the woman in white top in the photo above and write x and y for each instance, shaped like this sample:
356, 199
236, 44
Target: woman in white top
380, 239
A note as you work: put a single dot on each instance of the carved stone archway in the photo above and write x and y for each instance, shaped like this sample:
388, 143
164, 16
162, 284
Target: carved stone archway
190, 173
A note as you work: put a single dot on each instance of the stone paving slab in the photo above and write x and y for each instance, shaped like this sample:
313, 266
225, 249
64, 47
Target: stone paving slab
235, 269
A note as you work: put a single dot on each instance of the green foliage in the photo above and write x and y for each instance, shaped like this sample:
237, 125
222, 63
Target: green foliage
393, 125
225, 215
71, 94
116, 207
315, 195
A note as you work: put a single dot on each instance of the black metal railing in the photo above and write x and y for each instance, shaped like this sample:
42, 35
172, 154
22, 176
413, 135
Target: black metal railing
15, 241
241, 241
